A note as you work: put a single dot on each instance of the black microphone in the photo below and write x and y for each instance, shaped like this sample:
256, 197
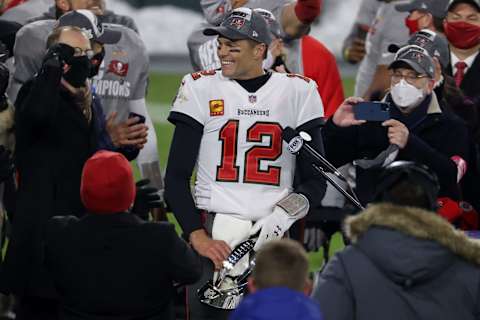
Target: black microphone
299, 143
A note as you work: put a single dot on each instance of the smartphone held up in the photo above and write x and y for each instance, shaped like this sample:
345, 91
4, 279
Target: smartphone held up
372, 111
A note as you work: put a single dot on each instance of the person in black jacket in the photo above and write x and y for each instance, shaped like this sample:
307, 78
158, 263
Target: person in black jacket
110, 264
405, 262
56, 131
417, 130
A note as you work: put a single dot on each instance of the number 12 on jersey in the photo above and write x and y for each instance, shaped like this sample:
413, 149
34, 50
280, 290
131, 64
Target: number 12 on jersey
228, 171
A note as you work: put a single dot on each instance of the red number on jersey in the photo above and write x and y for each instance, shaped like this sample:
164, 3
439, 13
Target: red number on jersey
253, 173
228, 171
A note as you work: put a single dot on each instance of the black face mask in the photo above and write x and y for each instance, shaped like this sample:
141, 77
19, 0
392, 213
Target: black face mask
96, 61
80, 68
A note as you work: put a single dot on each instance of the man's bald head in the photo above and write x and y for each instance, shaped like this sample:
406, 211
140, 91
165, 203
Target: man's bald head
72, 36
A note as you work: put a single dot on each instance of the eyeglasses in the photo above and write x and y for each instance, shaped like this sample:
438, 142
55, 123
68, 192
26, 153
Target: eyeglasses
78, 52
410, 78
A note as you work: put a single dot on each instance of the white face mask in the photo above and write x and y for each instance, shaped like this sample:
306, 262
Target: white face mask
405, 95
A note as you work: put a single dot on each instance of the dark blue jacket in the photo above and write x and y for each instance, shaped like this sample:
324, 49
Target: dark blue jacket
404, 263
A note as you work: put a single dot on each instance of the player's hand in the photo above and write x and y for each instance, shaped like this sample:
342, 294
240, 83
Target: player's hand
216, 250
397, 132
344, 116
128, 133
355, 52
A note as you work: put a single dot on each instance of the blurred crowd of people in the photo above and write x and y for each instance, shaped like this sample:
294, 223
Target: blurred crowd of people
81, 239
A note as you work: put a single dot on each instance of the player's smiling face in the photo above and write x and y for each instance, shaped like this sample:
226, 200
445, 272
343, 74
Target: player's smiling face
240, 59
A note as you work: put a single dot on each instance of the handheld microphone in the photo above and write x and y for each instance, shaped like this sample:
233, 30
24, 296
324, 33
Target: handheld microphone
298, 143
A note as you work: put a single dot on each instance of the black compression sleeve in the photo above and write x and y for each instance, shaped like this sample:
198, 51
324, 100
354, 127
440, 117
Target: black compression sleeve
308, 181
181, 162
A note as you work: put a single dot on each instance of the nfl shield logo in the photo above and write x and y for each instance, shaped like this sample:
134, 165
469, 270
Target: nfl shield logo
252, 99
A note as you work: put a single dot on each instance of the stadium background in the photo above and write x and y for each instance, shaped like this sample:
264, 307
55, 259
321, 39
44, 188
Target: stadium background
166, 38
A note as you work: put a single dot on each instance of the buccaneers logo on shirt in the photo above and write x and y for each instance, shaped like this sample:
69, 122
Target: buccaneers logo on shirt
118, 67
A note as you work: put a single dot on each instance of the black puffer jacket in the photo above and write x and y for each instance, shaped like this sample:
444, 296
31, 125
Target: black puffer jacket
405, 263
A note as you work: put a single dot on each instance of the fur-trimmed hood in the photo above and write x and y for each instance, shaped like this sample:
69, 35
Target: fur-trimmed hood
409, 243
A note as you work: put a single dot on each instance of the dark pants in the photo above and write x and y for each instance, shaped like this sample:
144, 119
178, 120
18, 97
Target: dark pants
197, 310
35, 308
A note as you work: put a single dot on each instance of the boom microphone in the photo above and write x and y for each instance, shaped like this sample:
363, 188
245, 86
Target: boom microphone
300, 143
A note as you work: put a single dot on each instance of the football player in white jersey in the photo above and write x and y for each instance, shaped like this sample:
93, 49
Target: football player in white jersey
229, 123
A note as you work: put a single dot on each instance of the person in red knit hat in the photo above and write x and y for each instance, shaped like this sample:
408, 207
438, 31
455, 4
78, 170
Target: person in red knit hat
107, 184
110, 263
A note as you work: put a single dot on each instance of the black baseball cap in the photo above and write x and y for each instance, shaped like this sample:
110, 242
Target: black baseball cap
417, 58
240, 24
475, 3
438, 8
88, 22
435, 43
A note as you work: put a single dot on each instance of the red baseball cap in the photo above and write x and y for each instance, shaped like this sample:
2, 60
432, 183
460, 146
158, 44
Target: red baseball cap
107, 184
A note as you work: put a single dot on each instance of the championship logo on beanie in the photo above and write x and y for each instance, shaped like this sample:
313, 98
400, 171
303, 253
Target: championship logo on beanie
107, 184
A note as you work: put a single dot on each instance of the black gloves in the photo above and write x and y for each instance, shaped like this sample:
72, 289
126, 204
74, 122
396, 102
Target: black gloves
6, 164
4, 77
58, 54
147, 198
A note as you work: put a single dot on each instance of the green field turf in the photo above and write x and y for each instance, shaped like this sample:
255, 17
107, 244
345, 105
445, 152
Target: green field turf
162, 90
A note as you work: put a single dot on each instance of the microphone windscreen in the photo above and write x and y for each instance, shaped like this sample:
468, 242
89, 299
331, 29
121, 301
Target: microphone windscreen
288, 134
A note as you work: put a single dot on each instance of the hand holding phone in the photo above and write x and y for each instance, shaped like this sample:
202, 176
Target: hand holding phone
372, 111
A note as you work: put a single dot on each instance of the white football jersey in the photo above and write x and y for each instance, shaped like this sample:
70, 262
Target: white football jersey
243, 166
